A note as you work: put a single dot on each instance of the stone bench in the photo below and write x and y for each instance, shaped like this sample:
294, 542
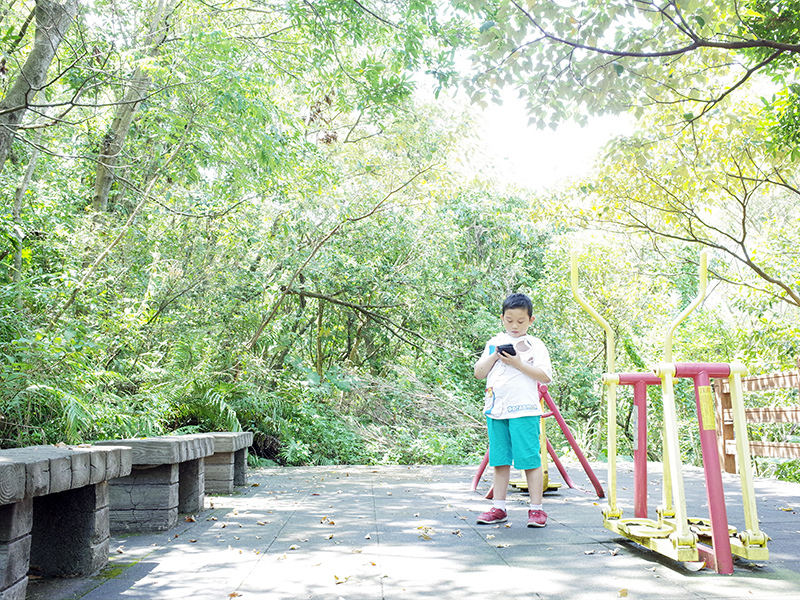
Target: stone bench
167, 478
54, 513
227, 467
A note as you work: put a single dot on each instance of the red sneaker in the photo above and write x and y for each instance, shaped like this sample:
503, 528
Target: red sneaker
495, 515
537, 518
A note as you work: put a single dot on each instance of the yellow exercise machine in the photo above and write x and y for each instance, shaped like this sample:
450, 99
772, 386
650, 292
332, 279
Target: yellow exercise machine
673, 533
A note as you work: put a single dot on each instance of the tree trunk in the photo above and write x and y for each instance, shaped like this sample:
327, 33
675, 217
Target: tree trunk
138, 87
16, 214
320, 315
53, 20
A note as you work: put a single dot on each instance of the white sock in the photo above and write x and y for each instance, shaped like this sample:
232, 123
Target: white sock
501, 504
536, 507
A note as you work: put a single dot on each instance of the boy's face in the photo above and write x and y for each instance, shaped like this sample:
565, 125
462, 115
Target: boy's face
516, 321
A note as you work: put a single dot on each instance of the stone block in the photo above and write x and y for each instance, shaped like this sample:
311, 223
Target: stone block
240, 467
219, 486
125, 461
192, 486
36, 463
97, 464
15, 520
113, 467
16, 591
131, 496
155, 475
227, 441
60, 471
219, 471
101, 495
12, 480
219, 458
100, 527
81, 467
14, 561
143, 521
96, 557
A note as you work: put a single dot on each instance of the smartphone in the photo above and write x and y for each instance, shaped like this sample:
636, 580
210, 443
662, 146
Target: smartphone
507, 349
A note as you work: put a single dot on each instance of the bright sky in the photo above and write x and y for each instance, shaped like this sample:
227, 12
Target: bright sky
538, 159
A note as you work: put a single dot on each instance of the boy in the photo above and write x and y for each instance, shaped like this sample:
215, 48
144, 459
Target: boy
512, 407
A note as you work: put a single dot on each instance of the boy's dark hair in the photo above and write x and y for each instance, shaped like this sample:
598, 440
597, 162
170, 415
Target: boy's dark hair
518, 301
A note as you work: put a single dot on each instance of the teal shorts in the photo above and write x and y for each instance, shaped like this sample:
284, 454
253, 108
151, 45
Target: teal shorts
514, 442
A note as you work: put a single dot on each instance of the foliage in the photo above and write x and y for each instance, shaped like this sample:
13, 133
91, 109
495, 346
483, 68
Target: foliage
295, 244
575, 59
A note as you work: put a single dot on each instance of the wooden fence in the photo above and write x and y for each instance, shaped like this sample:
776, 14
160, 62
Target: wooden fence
725, 437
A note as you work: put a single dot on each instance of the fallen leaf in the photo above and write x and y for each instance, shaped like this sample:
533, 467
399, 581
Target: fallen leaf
490, 537
255, 484
615, 551
260, 522
193, 541
588, 552
234, 595
190, 519
356, 551
503, 545
457, 532
329, 536
339, 580
367, 537
623, 593
293, 547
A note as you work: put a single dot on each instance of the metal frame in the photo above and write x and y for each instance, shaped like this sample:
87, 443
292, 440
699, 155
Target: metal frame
674, 534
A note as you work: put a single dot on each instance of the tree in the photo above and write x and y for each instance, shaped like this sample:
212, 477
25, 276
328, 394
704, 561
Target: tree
712, 184
136, 90
53, 20
571, 60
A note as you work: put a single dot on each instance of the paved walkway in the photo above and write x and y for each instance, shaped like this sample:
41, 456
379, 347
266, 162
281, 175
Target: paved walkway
374, 533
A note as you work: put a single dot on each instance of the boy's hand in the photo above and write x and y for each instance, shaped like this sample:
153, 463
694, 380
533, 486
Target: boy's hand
513, 360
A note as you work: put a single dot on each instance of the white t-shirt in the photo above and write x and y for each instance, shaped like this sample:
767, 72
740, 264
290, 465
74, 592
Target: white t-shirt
509, 392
